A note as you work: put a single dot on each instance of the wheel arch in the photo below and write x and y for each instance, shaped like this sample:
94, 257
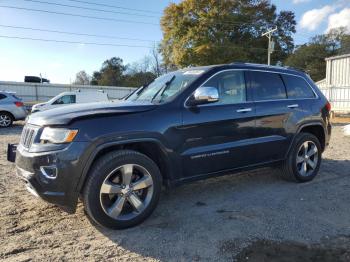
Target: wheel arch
315, 128
152, 148
7, 112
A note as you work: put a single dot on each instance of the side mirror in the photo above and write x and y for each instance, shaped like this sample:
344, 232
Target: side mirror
204, 95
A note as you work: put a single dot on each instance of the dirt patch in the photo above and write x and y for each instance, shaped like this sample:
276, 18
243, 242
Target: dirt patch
345, 119
264, 250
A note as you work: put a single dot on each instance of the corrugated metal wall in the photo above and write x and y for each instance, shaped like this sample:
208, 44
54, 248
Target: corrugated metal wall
336, 86
30, 92
338, 71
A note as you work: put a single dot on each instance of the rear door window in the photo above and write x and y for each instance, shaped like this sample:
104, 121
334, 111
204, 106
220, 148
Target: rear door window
267, 86
2, 96
297, 87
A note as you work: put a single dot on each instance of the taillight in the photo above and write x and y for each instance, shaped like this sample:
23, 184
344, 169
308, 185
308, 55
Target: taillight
19, 104
328, 107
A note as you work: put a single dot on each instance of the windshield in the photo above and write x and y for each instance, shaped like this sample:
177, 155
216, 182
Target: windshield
165, 87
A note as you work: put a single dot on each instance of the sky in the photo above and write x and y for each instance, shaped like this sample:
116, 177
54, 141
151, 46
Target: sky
59, 62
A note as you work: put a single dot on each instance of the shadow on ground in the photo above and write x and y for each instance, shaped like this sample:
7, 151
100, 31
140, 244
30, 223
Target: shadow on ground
200, 220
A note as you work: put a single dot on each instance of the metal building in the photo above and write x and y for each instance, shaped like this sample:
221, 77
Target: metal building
336, 85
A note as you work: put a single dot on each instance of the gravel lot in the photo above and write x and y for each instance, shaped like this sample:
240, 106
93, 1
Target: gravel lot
248, 217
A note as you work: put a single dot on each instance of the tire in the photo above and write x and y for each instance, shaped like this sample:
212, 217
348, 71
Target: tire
293, 168
6, 119
111, 195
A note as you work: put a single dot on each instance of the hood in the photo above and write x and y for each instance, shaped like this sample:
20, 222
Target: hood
38, 105
64, 115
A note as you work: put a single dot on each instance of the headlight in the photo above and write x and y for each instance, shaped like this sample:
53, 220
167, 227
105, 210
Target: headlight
58, 135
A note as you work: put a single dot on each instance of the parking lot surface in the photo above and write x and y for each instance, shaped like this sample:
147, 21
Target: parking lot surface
248, 216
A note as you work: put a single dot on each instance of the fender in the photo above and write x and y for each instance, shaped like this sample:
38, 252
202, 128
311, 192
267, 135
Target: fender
102, 146
313, 123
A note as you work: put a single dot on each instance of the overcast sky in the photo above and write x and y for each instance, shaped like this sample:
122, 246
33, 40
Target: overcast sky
59, 62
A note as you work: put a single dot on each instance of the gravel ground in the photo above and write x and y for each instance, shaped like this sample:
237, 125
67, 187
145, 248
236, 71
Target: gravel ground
249, 217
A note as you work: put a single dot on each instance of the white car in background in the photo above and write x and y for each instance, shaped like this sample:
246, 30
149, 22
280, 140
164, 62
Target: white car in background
68, 98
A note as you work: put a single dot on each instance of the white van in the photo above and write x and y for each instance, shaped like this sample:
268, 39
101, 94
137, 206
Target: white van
74, 97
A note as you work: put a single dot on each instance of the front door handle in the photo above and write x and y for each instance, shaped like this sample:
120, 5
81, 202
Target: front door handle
293, 106
244, 110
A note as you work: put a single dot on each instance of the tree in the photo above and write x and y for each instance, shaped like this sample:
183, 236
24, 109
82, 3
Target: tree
114, 73
201, 32
138, 79
311, 56
110, 74
82, 78
156, 61
96, 76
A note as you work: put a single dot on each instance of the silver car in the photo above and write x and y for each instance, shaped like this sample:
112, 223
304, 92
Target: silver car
11, 109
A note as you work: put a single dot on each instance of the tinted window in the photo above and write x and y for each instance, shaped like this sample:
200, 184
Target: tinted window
16, 97
297, 87
268, 86
67, 99
2, 96
231, 87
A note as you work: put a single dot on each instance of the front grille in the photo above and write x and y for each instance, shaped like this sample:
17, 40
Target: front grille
28, 136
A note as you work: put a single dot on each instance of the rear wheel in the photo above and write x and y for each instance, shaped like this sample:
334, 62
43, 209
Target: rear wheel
6, 119
304, 159
122, 189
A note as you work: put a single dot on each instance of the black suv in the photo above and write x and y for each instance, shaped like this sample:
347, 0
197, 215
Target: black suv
186, 125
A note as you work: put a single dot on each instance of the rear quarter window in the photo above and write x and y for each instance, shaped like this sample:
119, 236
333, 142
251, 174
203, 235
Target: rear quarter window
297, 87
267, 86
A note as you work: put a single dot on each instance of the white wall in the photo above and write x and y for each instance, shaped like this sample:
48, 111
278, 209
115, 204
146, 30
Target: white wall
338, 71
42, 92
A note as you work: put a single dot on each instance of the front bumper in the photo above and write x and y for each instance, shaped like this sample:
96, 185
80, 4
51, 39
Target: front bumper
52, 176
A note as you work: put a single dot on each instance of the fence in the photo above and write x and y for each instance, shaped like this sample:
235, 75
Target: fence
31, 92
339, 97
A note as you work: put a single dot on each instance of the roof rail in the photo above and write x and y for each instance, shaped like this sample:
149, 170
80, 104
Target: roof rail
270, 66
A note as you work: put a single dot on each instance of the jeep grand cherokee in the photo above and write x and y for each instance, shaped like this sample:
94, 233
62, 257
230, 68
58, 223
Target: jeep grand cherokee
186, 125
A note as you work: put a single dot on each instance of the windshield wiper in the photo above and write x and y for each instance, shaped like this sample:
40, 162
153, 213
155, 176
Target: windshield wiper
161, 90
138, 91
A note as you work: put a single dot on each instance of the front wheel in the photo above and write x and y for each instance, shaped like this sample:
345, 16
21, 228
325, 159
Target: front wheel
304, 159
122, 189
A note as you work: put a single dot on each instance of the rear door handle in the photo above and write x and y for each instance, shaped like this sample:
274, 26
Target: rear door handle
244, 110
293, 106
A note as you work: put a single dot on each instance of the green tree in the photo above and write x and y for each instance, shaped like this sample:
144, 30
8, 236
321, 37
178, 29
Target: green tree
201, 32
138, 79
111, 73
311, 56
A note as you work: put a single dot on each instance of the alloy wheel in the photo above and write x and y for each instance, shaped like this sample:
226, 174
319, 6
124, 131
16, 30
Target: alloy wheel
307, 158
5, 120
126, 192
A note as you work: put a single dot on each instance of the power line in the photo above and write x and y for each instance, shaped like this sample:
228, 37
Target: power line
114, 6
124, 45
106, 44
77, 15
102, 44
75, 33
71, 42
88, 8
104, 18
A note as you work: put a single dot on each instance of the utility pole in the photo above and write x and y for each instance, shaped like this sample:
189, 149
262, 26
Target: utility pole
271, 46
